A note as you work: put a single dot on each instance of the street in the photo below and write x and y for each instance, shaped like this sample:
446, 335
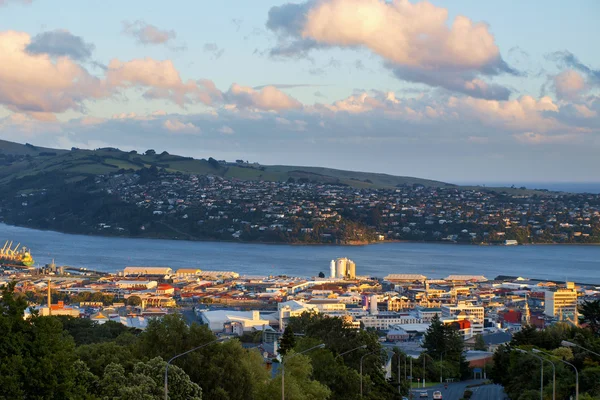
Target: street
456, 390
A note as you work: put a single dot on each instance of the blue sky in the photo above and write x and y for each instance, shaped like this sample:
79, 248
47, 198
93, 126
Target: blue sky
509, 95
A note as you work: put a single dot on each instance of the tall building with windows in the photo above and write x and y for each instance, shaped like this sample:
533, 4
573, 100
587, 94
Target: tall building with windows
562, 303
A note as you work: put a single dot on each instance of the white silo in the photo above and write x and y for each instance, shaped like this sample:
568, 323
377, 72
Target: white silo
373, 304
351, 269
332, 269
341, 267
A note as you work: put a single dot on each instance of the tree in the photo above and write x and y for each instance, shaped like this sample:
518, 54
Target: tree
321, 275
223, 370
480, 343
150, 152
146, 382
435, 338
213, 163
37, 360
134, 301
288, 341
298, 382
590, 312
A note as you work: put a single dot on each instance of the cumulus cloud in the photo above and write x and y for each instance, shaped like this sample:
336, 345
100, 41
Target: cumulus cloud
37, 84
569, 84
162, 80
174, 125
148, 34
267, 98
213, 49
567, 59
60, 43
414, 40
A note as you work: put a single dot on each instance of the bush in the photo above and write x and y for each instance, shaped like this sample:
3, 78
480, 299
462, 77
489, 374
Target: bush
468, 394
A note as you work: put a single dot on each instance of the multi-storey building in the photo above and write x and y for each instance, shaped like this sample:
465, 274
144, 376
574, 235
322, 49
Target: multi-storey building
562, 303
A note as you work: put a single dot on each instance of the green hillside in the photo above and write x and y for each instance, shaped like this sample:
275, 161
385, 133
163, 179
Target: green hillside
18, 161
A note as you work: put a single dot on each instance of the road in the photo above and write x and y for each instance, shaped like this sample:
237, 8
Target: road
456, 390
488, 392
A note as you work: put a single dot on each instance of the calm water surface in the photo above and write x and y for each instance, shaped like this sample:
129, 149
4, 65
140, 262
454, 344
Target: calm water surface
557, 262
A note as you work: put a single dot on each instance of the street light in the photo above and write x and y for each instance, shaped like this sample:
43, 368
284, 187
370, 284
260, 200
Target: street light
364, 346
442, 365
361, 369
183, 354
553, 374
283, 367
566, 343
541, 373
572, 366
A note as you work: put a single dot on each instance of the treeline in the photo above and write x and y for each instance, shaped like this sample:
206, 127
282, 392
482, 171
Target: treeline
68, 358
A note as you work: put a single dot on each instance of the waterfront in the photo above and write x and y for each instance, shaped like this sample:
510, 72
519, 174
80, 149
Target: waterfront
555, 262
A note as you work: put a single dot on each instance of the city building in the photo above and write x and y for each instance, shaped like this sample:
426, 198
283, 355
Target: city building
220, 320
561, 303
142, 271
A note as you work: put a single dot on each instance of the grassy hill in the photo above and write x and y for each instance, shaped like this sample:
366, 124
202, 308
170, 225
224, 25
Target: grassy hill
18, 161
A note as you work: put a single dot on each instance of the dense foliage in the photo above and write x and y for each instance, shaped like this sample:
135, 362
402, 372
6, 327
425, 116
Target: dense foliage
519, 372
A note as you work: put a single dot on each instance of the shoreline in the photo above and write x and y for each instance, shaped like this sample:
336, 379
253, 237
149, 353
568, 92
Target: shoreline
353, 244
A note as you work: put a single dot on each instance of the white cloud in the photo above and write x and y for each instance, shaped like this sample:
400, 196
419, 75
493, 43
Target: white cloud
414, 39
174, 125
226, 130
267, 98
569, 84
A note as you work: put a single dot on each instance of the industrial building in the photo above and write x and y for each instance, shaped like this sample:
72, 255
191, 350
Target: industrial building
142, 271
342, 268
221, 320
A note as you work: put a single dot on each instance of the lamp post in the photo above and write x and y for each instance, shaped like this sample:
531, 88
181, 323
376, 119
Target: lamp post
572, 366
183, 354
350, 351
361, 371
541, 371
442, 365
423, 369
566, 343
553, 375
361, 368
283, 367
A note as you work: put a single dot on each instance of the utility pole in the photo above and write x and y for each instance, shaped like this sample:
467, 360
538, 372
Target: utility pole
49, 299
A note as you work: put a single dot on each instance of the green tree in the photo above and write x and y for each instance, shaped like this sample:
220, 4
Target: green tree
37, 360
590, 313
480, 343
299, 384
134, 301
288, 341
434, 340
224, 371
145, 382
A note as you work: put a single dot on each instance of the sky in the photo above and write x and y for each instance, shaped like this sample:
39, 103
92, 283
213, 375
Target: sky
453, 90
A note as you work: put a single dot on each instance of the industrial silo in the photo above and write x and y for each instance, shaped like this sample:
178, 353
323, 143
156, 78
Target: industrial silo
340, 265
332, 269
351, 269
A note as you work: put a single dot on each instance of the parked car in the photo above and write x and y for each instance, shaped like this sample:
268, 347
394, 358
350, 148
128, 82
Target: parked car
437, 395
423, 394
